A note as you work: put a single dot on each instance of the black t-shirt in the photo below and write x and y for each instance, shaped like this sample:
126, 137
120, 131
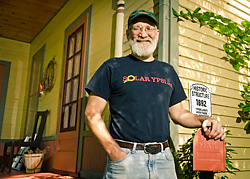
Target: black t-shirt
139, 94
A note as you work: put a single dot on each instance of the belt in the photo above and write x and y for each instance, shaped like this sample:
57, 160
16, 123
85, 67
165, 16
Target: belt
149, 148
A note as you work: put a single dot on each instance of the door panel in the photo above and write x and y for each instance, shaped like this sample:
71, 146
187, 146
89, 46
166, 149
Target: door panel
65, 152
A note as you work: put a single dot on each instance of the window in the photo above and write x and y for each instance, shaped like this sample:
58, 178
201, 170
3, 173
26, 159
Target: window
72, 81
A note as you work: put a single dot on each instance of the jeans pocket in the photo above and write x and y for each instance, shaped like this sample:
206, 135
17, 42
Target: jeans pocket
123, 159
168, 154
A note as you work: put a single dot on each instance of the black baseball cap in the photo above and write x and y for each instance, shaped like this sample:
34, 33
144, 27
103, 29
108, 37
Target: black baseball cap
138, 13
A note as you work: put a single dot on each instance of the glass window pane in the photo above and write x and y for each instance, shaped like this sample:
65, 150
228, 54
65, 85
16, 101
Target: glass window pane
72, 80
71, 46
79, 40
69, 68
66, 117
73, 115
75, 89
68, 89
77, 64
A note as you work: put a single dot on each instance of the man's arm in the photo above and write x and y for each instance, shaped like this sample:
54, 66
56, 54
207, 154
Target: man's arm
93, 113
187, 119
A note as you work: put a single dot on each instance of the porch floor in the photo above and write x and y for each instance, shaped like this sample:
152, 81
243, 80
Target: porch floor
43, 175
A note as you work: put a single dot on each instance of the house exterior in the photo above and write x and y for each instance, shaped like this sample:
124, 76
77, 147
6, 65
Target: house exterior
77, 41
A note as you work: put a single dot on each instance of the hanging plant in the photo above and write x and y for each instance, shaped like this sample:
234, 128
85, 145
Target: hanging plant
237, 48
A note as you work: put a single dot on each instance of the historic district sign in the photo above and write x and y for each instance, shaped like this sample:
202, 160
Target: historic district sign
200, 99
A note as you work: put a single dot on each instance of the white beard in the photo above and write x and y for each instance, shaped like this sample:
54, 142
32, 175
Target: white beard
143, 50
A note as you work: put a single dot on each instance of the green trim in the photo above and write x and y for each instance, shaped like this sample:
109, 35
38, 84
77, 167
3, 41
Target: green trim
174, 61
168, 49
174, 34
90, 174
164, 38
48, 138
15, 40
4, 91
42, 52
87, 133
7, 140
89, 10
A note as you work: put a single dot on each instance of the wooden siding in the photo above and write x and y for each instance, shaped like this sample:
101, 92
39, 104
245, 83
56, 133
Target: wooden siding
93, 152
200, 50
15, 109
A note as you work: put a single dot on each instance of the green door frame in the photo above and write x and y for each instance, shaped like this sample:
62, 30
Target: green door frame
168, 48
4, 91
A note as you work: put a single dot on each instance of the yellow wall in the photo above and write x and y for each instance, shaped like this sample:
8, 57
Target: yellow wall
53, 36
15, 107
200, 50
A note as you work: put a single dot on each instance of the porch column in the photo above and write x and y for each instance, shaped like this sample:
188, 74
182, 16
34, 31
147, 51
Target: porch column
119, 28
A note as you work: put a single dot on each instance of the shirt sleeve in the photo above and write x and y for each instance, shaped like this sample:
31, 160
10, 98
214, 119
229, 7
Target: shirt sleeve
178, 93
100, 82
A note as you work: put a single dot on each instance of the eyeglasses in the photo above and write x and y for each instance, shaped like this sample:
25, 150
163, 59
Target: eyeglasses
138, 29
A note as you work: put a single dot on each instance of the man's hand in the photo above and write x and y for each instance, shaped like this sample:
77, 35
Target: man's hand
185, 118
216, 131
116, 155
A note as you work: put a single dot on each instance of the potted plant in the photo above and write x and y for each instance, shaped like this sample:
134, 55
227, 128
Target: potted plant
33, 160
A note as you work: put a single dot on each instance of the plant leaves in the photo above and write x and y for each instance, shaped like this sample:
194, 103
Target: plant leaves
236, 67
226, 20
238, 120
247, 126
245, 24
175, 13
197, 9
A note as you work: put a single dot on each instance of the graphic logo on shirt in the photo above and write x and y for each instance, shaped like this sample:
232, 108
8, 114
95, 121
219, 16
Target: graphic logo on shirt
131, 78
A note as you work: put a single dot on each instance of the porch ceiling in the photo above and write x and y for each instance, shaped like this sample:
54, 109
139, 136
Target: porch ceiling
22, 20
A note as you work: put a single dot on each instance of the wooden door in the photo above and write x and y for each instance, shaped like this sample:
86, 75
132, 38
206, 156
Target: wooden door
71, 95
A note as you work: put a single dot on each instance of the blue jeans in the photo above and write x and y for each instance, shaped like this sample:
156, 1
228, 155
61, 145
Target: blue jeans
137, 164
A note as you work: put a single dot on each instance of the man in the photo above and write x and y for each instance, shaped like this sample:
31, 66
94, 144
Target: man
141, 92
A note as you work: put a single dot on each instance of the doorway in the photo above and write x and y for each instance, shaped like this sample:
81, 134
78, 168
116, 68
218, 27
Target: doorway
72, 93
34, 90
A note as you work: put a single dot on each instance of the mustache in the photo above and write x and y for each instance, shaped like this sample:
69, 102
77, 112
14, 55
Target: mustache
142, 39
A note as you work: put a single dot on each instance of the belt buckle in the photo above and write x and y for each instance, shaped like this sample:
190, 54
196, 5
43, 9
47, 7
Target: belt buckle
149, 148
